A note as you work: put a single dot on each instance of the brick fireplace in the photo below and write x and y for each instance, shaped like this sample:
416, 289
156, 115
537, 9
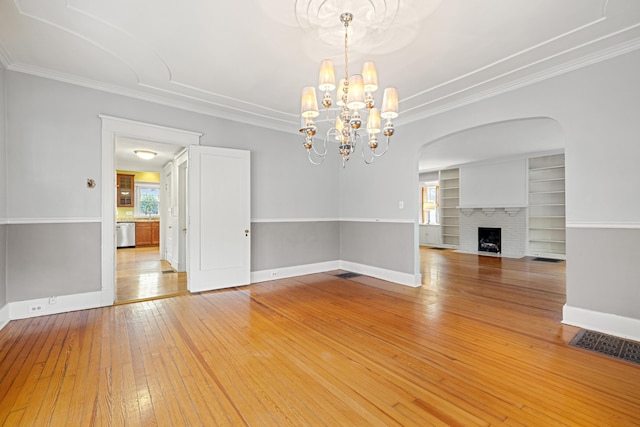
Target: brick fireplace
512, 223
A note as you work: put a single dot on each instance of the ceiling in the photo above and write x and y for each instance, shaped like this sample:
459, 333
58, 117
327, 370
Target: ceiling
248, 61
127, 160
493, 142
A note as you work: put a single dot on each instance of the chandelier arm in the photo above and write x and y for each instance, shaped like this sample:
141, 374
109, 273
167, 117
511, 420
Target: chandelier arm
311, 159
324, 146
364, 158
385, 150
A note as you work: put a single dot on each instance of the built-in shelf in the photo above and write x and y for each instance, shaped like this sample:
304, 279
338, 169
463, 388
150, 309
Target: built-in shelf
449, 212
547, 229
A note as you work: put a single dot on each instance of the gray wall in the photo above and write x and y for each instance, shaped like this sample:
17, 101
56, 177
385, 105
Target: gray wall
284, 244
3, 190
54, 144
379, 244
52, 259
597, 107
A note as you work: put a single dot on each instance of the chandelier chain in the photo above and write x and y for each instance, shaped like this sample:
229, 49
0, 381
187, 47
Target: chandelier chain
346, 50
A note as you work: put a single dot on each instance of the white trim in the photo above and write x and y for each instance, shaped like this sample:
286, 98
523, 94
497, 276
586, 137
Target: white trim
152, 132
612, 324
51, 220
298, 270
406, 279
4, 316
63, 304
509, 86
385, 220
186, 103
396, 277
267, 220
4, 221
603, 224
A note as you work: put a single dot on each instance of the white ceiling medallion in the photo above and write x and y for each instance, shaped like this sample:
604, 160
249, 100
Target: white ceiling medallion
381, 26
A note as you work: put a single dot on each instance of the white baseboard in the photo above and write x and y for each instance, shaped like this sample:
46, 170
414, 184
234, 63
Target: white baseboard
607, 323
4, 316
66, 303
63, 304
298, 270
301, 270
406, 279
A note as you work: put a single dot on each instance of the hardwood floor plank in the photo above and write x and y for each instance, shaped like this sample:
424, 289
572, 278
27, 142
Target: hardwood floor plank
479, 343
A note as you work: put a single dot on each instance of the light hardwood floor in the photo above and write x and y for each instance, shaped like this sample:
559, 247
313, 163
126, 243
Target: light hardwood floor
141, 275
480, 343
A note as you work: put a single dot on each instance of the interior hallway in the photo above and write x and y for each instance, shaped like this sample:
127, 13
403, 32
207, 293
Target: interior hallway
141, 275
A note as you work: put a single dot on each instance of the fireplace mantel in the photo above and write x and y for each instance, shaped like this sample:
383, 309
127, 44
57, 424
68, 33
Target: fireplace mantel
511, 210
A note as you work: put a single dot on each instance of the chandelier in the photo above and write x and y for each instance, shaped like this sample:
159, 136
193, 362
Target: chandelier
354, 95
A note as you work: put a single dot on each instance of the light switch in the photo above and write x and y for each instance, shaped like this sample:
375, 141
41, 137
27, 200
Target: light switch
401, 204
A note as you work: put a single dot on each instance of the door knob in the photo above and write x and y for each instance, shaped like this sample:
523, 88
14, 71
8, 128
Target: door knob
246, 233
184, 229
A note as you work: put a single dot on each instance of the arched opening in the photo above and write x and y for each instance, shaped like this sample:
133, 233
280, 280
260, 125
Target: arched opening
504, 179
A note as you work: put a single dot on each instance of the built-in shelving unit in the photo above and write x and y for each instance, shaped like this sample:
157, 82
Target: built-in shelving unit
449, 212
547, 207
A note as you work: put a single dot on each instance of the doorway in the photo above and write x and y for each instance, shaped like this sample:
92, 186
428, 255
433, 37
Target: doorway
144, 264
217, 205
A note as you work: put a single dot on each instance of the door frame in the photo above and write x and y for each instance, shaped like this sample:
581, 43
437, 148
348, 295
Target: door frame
113, 127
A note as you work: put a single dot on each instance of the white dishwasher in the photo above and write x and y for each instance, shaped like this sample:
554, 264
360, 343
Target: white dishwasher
126, 234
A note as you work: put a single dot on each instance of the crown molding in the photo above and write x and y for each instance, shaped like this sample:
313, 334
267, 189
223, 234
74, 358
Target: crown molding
567, 67
280, 124
224, 112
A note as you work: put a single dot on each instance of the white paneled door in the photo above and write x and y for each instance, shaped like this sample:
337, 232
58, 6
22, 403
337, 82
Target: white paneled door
218, 232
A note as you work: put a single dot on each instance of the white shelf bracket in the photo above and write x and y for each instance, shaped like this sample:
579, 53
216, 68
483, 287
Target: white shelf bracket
512, 211
488, 211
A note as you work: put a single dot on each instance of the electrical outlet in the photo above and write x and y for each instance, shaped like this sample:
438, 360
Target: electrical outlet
274, 274
52, 300
35, 308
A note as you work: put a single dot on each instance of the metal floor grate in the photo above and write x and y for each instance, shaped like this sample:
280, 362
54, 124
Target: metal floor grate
348, 275
609, 345
548, 259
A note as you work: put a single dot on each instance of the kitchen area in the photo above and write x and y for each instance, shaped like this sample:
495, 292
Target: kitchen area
137, 225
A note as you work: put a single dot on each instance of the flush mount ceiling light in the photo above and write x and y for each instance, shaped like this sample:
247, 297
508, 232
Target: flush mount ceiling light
354, 94
145, 154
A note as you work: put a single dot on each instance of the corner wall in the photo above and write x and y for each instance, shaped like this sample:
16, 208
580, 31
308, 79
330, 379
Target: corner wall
54, 143
597, 107
3, 198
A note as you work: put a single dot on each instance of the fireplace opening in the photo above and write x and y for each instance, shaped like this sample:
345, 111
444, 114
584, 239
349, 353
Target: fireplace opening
489, 240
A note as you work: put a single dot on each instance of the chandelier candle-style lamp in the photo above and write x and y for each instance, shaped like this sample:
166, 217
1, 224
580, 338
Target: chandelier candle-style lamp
354, 95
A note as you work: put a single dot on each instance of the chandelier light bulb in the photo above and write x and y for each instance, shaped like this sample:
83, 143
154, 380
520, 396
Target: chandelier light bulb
373, 123
355, 96
327, 76
370, 77
309, 107
390, 103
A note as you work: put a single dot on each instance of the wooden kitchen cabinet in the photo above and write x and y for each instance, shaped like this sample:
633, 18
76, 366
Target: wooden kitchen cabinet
147, 233
124, 190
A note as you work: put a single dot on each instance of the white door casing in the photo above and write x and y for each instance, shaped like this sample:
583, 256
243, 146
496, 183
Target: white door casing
218, 236
113, 127
167, 218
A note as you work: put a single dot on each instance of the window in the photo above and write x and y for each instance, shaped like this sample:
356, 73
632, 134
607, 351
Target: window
430, 202
147, 199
